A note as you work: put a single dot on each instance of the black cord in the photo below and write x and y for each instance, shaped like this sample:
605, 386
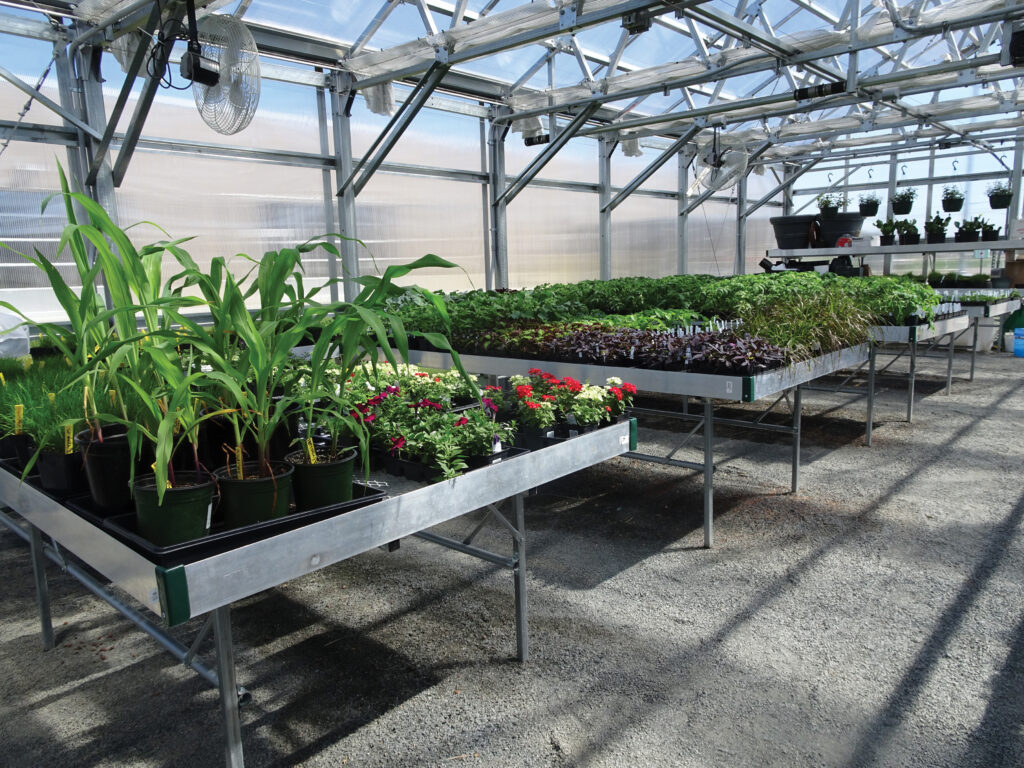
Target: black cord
169, 32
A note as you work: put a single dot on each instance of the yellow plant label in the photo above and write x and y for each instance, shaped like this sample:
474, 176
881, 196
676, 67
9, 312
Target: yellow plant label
69, 440
3, 380
168, 481
53, 397
113, 396
19, 417
311, 450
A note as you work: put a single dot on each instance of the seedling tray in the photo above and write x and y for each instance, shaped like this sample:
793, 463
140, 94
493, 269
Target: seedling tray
123, 527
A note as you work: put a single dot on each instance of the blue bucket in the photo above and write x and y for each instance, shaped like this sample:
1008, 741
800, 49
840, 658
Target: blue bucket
1018, 342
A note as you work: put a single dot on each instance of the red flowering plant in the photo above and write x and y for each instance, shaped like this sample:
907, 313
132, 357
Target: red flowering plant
618, 395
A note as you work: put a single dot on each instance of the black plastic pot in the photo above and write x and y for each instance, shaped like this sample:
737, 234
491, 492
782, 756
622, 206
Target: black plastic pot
887, 239
254, 499
868, 209
902, 207
998, 202
792, 231
828, 211
834, 227
989, 235
936, 238
183, 516
910, 239
321, 484
951, 205
61, 474
108, 465
968, 237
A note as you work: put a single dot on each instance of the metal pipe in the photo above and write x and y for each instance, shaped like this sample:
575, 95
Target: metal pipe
466, 549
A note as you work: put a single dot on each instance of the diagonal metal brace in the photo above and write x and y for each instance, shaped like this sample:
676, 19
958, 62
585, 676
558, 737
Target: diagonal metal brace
47, 102
142, 107
393, 131
545, 157
141, 53
649, 171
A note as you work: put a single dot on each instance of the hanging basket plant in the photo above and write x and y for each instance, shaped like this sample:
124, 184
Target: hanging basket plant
903, 201
952, 199
1000, 195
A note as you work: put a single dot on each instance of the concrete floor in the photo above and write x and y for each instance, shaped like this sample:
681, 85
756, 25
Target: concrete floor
874, 618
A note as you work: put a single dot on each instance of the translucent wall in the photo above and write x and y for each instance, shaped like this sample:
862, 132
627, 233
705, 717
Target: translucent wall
552, 237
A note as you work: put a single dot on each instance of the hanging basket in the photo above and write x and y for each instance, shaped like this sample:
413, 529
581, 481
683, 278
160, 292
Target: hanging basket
1000, 201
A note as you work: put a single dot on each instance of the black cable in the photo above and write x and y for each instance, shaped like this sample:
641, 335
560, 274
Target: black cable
168, 32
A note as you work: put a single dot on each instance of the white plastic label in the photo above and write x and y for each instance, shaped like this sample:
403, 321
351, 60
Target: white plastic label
728, 387
209, 515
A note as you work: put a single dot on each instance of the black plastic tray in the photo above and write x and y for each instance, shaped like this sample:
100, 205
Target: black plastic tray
218, 541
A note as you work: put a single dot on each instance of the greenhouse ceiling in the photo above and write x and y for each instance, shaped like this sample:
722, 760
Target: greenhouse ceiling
785, 79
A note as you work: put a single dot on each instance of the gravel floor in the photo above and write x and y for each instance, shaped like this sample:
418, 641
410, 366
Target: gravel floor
874, 618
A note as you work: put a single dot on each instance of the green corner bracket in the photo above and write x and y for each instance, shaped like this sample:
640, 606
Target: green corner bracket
632, 435
173, 587
748, 389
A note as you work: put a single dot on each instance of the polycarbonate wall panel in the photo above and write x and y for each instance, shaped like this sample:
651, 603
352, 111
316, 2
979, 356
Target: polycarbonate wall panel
401, 218
28, 175
644, 237
576, 161
711, 239
435, 139
231, 207
552, 237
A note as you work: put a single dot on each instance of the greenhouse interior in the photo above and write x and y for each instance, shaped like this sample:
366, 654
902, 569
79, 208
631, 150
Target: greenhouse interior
506, 383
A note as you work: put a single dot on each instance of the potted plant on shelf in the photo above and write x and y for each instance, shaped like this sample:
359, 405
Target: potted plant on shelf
888, 231
903, 201
935, 228
989, 231
829, 203
968, 231
869, 203
1000, 195
952, 198
909, 234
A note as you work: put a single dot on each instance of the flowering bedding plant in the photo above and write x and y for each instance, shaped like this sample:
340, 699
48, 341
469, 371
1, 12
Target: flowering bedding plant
541, 398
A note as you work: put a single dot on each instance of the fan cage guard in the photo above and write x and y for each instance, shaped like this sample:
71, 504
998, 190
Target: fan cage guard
229, 106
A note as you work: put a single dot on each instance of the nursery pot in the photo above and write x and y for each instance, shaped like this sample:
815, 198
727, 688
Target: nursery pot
910, 239
254, 499
61, 473
792, 231
997, 202
989, 235
108, 466
886, 239
902, 207
869, 209
936, 238
321, 484
952, 206
828, 211
968, 237
184, 515
834, 227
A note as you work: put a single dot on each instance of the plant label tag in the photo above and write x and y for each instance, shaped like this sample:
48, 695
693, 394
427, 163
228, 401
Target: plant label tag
3, 380
53, 397
310, 450
209, 515
19, 417
69, 440
113, 396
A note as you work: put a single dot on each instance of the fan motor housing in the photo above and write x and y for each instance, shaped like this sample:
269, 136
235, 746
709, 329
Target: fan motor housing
199, 70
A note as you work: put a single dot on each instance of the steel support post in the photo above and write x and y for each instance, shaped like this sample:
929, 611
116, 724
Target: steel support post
976, 322
709, 473
68, 87
340, 94
1018, 168
42, 589
499, 206
740, 265
327, 184
485, 204
519, 575
887, 258
949, 360
228, 688
605, 147
871, 395
682, 256
797, 406
910, 380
